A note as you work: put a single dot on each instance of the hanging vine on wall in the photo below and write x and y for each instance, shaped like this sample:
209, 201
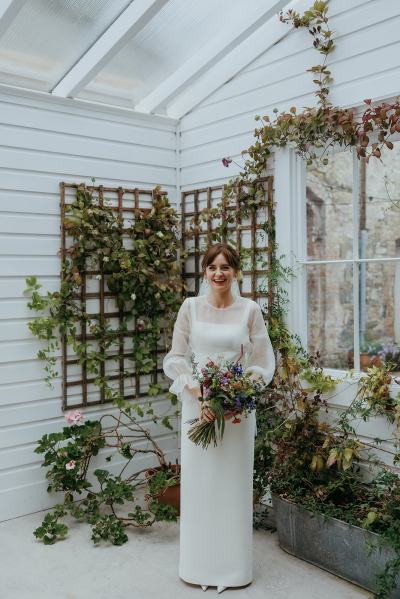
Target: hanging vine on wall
142, 279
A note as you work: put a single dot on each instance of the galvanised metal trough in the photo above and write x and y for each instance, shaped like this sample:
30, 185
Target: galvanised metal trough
331, 544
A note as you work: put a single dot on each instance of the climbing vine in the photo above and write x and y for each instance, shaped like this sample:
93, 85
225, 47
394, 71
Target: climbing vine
297, 453
143, 280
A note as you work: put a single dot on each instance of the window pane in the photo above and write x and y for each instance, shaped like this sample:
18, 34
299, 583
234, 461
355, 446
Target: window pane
329, 208
379, 313
380, 204
46, 38
330, 313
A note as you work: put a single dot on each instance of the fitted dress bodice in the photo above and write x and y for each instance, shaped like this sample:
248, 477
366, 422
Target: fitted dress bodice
219, 341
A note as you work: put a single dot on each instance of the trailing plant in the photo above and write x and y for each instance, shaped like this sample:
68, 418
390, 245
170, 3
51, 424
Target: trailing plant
68, 455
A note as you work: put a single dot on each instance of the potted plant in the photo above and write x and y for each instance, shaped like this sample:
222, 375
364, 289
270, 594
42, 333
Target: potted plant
163, 487
68, 455
326, 510
369, 355
390, 353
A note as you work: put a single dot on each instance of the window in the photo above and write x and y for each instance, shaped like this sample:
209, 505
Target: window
350, 259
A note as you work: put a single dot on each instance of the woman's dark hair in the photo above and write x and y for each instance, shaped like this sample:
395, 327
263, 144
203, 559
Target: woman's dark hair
231, 255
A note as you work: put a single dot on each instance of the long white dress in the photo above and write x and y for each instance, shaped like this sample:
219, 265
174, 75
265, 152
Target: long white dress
216, 503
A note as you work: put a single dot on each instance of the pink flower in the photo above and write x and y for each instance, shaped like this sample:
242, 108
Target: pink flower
74, 417
226, 161
70, 465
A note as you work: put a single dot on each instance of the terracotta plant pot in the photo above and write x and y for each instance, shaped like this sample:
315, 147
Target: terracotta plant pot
168, 495
366, 360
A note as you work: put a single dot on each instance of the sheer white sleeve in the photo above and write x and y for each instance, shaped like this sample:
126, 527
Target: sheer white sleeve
176, 363
261, 362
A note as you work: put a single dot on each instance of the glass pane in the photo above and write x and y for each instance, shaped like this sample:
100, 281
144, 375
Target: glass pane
330, 313
174, 35
329, 208
380, 313
380, 204
46, 38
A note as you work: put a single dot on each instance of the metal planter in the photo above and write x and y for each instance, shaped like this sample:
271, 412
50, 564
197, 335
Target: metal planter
331, 544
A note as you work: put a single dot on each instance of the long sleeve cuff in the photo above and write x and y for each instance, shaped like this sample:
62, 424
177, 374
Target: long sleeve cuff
181, 381
264, 373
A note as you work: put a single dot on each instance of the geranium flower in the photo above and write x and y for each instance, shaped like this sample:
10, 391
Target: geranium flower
70, 465
226, 161
74, 417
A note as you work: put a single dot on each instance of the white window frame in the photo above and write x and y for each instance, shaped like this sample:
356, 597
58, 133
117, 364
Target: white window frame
291, 237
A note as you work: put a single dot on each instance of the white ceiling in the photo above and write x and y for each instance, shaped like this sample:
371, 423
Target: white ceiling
145, 55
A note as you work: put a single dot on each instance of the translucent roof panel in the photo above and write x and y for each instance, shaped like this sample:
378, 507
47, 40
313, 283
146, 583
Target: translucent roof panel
175, 34
47, 37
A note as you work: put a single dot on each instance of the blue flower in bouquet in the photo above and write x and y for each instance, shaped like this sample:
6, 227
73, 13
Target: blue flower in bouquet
237, 369
238, 402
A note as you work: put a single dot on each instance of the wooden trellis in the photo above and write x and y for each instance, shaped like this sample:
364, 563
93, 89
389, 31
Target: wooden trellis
240, 235
76, 381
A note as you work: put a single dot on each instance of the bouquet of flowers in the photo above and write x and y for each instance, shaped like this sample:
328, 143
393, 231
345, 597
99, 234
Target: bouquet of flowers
224, 389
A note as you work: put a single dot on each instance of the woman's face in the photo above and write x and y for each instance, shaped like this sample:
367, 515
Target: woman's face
220, 274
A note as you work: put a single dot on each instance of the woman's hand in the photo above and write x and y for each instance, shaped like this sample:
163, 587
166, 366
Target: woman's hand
206, 413
195, 392
229, 415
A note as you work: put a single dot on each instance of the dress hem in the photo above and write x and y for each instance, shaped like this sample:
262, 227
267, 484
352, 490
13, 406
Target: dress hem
216, 584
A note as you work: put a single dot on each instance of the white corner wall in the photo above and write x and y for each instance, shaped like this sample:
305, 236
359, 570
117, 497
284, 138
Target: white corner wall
44, 142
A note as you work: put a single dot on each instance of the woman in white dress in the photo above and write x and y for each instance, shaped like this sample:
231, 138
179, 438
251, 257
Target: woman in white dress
216, 504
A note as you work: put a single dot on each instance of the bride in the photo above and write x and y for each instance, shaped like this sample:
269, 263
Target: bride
216, 513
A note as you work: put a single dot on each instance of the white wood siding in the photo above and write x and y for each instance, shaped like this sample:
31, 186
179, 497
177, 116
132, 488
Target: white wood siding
365, 64
42, 143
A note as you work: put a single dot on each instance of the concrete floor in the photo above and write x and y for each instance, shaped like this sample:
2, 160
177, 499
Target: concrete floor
144, 568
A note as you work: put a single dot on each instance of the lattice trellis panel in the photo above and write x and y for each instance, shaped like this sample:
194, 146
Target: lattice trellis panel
78, 385
247, 236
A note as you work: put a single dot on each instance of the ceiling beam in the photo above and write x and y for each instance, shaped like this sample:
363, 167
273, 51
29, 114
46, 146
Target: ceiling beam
126, 26
244, 53
8, 11
213, 50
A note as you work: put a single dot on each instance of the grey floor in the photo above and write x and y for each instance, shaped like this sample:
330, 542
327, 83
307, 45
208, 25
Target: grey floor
145, 567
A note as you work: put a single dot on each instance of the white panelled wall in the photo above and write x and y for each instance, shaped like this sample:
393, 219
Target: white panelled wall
45, 140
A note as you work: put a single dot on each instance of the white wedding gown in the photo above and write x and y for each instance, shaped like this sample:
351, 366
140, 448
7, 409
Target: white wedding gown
216, 503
